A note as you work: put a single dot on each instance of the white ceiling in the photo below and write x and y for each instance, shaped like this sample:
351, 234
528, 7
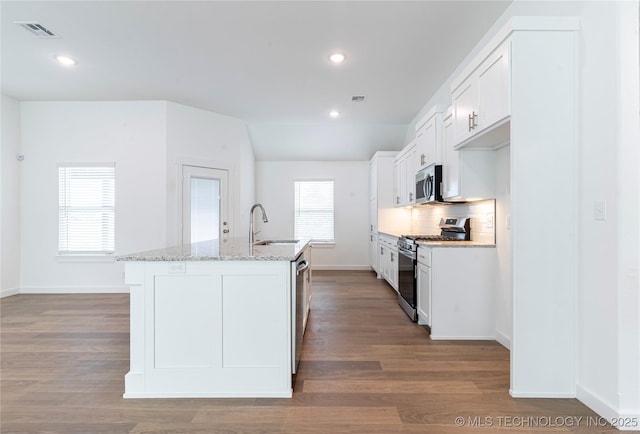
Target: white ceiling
264, 62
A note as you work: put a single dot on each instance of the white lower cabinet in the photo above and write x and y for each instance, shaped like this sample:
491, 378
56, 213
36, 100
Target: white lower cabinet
424, 286
456, 291
373, 251
393, 268
388, 259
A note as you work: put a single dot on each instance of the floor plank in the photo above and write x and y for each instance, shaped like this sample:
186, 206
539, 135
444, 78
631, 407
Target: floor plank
365, 369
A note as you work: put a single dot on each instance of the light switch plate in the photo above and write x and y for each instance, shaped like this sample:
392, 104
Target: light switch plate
489, 220
600, 210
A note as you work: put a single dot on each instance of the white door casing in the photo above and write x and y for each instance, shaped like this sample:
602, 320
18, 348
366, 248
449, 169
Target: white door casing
211, 187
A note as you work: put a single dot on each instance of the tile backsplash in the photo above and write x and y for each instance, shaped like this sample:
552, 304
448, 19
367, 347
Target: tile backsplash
425, 218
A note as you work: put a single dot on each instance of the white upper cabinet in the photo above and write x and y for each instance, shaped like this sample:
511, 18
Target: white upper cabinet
465, 110
481, 98
429, 139
405, 176
466, 174
381, 190
493, 88
450, 159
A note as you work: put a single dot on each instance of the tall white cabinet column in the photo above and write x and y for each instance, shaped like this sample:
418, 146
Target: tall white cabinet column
531, 68
544, 192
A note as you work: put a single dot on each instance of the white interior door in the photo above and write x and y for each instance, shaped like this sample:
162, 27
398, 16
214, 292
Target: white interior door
205, 204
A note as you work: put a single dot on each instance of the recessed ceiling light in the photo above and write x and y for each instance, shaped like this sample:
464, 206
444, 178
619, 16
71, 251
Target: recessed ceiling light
334, 114
65, 60
337, 57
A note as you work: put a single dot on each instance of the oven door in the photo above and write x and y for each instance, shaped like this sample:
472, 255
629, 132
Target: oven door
407, 287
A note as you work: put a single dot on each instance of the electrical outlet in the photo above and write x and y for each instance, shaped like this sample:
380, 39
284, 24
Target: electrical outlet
177, 268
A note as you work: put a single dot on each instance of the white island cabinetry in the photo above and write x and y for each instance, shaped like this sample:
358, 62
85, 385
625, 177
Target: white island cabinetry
213, 321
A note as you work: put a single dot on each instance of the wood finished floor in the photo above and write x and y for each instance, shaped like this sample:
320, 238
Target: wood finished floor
365, 369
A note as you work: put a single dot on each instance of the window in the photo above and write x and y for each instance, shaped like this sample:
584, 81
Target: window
314, 211
86, 209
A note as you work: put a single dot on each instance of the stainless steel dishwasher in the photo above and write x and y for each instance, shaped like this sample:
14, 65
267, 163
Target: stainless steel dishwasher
300, 269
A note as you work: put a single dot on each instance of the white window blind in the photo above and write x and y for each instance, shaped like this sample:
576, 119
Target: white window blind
86, 209
314, 211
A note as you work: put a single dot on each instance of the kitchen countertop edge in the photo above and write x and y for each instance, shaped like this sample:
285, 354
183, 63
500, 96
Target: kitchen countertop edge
235, 250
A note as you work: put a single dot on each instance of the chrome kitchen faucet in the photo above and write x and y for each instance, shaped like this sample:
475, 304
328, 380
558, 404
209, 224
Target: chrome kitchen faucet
252, 235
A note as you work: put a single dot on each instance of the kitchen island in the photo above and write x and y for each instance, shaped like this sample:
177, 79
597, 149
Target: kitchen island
213, 319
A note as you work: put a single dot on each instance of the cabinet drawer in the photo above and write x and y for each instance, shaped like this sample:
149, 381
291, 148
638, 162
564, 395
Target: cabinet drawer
389, 242
424, 256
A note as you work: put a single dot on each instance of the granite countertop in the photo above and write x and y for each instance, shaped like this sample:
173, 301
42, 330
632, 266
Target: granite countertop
455, 244
231, 249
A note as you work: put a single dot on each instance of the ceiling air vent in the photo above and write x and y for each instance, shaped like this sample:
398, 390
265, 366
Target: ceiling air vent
357, 98
36, 28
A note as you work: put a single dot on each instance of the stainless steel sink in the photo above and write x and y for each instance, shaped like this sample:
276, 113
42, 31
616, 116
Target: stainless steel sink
275, 242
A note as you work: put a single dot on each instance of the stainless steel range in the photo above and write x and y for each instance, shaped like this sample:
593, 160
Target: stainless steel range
451, 229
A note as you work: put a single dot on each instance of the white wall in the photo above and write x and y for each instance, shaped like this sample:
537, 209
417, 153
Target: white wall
10, 198
628, 186
146, 140
131, 134
199, 137
609, 310
274, 189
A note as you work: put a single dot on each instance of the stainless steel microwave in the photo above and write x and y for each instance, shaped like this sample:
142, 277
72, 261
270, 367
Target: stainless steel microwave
429, 184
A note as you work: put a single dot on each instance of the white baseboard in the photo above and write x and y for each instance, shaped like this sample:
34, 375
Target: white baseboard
341, 267
75, 290
624, 421
540, 394
10, 291
461, 338
503, 339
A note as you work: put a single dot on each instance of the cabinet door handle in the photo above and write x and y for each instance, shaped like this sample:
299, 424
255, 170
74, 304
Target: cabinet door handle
473, 120
410, 196
391, 256
422, 159
397, 200
381, 251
